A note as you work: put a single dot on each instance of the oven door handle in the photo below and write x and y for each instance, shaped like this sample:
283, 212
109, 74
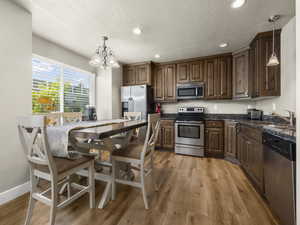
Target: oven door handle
192, 123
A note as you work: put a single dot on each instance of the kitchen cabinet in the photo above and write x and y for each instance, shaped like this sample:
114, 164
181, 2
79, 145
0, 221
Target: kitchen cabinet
129, 75
266, 80
165, 83
230, 139
137, 74
251, 154
214, 139
242, 82
166, 138
218, 77
190, 72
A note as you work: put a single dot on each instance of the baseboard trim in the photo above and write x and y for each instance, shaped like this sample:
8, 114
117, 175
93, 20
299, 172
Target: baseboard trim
14, 192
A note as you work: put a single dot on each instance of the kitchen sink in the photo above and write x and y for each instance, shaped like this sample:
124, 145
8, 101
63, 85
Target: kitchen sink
286, 127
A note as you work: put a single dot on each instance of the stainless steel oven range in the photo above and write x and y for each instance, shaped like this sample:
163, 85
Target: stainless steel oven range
189, 131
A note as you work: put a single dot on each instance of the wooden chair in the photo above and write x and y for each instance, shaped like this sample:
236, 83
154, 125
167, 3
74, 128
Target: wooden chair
33, 136
140, 155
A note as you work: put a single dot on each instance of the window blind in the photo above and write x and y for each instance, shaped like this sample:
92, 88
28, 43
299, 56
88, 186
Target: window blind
58, 87
76, 90
45, 86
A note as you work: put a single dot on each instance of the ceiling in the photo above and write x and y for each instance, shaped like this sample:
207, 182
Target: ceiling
176, 29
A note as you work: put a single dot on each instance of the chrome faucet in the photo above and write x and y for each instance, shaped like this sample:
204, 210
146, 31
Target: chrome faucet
292, 118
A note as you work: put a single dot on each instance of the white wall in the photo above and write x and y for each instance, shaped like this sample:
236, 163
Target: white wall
108, 101
43, 47
15, 91
287, 100
230, 107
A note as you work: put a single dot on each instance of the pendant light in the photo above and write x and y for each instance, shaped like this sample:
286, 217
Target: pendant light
273, 61
104, 56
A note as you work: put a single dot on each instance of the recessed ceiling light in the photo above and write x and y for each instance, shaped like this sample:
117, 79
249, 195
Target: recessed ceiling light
237, 3
137, 31
157, 56
223, 45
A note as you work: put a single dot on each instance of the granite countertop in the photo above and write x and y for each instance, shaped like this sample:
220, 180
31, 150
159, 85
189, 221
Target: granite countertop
270, 124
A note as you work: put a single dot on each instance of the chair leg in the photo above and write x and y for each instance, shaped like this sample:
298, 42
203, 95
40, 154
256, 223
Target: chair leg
153, 176
30, 209
54, 196
144, 188
113, 180
92, 185
33, 182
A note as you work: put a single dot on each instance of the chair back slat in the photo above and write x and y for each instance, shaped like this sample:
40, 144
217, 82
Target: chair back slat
151, 135
133, 115
71, 117
32, 133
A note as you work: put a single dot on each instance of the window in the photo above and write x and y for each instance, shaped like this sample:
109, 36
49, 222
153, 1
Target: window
57, 87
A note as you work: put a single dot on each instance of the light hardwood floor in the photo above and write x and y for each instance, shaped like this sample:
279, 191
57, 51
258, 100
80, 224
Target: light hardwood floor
193, 191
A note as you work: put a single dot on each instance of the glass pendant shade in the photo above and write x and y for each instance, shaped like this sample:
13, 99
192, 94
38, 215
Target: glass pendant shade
95, 61
273, 61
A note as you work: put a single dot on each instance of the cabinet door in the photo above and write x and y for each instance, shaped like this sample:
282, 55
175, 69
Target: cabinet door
224, 88
211, 78
168, 137
214, 142
230, 140
270, 76
254, 66
241, 75
159, 84
143, 74
197, 71
169, 83
129, 75
244, 145
183, 73
256, 164
158, 143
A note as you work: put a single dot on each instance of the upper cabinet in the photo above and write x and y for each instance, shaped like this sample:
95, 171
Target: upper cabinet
266, 79
165, 83
252, 78
137, 74
190, 72
218, 77
241, 81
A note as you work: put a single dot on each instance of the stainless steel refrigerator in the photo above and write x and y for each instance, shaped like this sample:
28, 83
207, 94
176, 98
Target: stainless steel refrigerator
137, 98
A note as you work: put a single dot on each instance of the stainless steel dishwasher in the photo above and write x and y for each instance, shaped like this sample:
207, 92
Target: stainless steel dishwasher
279, 176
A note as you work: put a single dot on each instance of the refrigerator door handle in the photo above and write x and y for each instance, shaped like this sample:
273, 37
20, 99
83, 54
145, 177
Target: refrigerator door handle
130, 105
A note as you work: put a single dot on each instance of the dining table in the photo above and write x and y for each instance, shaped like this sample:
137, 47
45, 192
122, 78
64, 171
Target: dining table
84, 138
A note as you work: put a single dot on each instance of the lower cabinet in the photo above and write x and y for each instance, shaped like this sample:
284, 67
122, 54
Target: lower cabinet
250, 151
166, 138
214, 139
230, 140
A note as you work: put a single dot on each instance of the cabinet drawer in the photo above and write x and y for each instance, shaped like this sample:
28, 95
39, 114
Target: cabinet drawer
166, 123
251, 132
214, 124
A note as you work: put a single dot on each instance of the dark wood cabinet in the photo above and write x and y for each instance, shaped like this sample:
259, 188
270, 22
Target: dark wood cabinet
190, 72
230, 139
241, 76
166, 138
183, 73
218, 77
250, 149
165, 83
137, 74
214, 139
266, 80
129, 75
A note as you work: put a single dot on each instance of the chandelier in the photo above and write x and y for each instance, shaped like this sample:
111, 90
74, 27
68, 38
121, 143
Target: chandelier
104, 56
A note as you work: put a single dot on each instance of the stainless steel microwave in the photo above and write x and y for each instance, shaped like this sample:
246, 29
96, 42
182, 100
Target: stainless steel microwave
190, 91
